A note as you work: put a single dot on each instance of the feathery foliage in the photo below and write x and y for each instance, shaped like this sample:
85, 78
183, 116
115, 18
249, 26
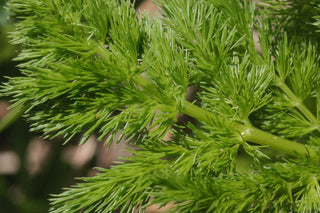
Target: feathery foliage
95, 67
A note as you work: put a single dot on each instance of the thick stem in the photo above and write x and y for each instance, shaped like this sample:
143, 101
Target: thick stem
281, 144
252, 134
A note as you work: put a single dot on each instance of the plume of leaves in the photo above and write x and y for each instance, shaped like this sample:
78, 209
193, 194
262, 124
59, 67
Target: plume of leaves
79, 67
93, 66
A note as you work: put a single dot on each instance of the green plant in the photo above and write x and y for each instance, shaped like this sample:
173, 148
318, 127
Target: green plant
93, 66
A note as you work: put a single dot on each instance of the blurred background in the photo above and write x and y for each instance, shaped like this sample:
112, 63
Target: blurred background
32, 168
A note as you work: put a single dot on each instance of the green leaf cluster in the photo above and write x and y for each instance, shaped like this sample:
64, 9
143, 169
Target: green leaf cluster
95, 67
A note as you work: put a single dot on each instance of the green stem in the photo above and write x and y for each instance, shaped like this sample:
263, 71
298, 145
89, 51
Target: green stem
298, 103
103, 52
252, 134
143, 82
247, 132
10, 117
281, 144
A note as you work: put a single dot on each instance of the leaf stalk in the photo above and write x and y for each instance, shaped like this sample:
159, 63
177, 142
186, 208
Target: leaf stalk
296, 102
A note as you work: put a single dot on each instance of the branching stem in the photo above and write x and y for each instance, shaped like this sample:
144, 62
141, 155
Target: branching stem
247, 132
296, 102
264, 138
252, 134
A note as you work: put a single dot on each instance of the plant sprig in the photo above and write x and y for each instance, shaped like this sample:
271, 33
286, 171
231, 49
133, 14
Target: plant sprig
94, 67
